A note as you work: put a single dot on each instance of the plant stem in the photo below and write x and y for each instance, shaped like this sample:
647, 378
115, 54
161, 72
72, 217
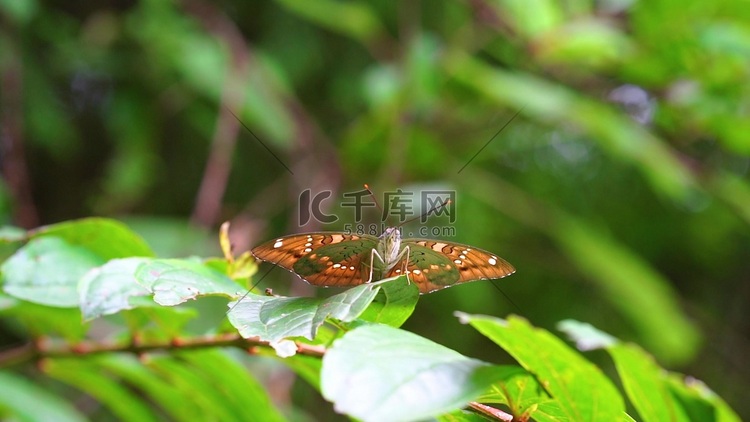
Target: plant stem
31, 351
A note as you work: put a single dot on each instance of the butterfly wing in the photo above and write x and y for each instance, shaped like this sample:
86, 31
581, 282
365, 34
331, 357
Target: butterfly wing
321, 259
435, 265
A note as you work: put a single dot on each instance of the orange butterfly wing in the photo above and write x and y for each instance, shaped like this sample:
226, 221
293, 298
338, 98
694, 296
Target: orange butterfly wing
322, 259
435, 265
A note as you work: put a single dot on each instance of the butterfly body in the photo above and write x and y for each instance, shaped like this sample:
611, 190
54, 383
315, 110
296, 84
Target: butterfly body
341, 259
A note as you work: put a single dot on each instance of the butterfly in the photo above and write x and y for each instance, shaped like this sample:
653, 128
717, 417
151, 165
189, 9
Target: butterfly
340, 259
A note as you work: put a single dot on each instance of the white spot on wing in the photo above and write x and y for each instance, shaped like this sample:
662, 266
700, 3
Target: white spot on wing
417, 272
278, 244
492, 261
336, 265
438, 247
457, 261
462, 256
308, 249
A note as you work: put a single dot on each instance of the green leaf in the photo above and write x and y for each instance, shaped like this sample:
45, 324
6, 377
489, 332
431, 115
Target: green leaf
517, 389
130, 370
354, 19
274, 319
586, 336
524, 396
10, 234
637, 289
123, 403
108, 289
7, 302
174, 281
394, 303
21, 400
585, 43
582, 392
47, 271
42, 320
549, 411
107, 238
198, 387
656, 394
121, 284
628, 281
700, 403
531, 18
645, 384
461, 416
241, 391
377, 372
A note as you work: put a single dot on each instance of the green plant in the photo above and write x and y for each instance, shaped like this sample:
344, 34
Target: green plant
98, 312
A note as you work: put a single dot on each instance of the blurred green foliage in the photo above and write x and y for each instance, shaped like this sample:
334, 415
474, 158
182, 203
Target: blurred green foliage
620, 193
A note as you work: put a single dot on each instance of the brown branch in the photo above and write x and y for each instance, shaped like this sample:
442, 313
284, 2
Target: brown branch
13, 156
219, 163
31, 351
491, 412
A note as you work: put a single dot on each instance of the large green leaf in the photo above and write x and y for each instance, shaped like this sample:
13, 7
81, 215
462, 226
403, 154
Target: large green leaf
656, 394
105, 237
47, 271
174, 281
645, 384
643, 380
376, 372
394, 303
108, 289
275, 319
121, 283
582, 392
23, 401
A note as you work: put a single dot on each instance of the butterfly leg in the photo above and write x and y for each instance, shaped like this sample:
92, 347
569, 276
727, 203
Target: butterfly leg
405, 262
373, 254
405, 268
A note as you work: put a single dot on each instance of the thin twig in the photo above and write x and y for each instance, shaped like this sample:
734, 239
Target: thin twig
12, 155
218, 165
30, 352
491, 412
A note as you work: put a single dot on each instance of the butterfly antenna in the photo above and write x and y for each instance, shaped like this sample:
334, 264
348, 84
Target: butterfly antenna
428, 212
250, 289
506, 296
372, 195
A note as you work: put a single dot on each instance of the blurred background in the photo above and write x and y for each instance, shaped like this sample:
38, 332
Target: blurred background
619, 191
